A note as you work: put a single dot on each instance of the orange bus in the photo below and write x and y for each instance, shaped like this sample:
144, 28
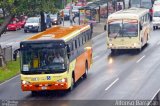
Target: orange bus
56, 58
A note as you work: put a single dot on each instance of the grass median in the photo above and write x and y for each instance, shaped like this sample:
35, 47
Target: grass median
11, 69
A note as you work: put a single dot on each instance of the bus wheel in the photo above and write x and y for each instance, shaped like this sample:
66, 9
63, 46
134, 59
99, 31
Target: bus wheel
154, 27
34, 93
72, 84
86, 71
138, 51
113, 51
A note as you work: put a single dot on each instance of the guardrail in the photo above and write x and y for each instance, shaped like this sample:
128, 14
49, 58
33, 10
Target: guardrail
5, 55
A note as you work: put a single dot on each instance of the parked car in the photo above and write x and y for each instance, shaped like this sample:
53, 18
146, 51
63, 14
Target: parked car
56, 19
81, 4
32, 24
14, 25
156, 16
22, 23
66, 14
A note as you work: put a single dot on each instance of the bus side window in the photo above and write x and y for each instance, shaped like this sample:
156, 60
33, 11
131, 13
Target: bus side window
84, 38
142, 20
79, 42
68, 51
75, 44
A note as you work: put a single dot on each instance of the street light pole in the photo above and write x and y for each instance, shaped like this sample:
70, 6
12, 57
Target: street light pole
71, 16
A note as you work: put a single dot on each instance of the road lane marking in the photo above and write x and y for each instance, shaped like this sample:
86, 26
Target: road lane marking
98, 36
158, 43
9, 80
111, 84
155, 94
141, 59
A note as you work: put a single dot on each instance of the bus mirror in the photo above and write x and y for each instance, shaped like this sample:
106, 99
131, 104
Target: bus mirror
105, 27
15, 54
68, 51
141, 26
68, 54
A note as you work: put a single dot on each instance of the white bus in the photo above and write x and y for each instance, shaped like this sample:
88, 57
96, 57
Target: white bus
128, 29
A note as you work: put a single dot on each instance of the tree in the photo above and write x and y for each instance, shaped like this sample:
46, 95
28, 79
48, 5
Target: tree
27, 7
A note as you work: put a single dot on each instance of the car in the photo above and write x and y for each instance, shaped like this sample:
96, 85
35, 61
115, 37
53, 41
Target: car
14, 25
32, 25
22, 20
82, 4
156, 17
66, 14
22, 23
56, 19
75, 10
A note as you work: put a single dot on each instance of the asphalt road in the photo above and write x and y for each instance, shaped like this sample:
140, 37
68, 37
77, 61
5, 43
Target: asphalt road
126, 76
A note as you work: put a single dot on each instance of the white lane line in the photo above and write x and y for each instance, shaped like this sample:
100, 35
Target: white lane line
158, 43
140, 59
95, 57
111, 84
153, 98
9, 80
98, 36
155, 94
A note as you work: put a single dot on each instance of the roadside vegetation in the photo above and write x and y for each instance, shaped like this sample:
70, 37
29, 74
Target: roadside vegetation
11, 69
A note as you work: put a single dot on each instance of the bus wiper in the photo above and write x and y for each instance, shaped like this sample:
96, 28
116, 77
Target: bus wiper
116, 36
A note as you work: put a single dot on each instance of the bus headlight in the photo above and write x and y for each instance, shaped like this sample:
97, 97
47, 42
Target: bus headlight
110, 44
25, 82
135, 44
62, 80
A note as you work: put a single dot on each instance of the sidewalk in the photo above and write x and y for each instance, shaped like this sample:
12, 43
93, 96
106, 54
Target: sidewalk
99, 28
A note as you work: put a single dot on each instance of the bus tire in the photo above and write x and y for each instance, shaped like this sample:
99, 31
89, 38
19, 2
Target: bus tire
25, 31
34, 93
72, 83
138, 50
113, 51
86, 70
154, 27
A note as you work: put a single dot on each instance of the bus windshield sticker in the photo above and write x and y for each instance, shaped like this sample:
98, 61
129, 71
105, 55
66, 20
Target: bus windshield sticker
25, 68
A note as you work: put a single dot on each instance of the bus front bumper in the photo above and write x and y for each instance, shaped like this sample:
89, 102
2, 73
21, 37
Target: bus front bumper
44, 86
134, 46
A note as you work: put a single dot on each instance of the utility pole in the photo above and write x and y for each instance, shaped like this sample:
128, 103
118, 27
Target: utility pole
71, 16
64, 3
107, 9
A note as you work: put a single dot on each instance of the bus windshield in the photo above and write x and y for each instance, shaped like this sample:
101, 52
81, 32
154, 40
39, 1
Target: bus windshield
130, 28
114, 28
125, 28
43, 60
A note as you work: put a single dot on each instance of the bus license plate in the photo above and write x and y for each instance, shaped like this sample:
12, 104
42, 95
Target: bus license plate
44, 88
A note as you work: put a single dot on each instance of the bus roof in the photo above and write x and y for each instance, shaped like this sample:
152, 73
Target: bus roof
60, 33
132, 13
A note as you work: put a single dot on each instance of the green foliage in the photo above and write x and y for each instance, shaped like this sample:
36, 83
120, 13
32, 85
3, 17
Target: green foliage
11, 69
27, 6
